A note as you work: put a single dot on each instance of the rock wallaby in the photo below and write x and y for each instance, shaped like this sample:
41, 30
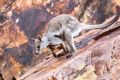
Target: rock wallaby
63, 28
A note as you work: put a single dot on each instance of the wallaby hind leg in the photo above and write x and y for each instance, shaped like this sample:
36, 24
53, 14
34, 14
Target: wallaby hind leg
65, 46
69, 40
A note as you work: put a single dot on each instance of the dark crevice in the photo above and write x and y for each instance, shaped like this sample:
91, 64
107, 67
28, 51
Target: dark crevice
1, 77
106, 33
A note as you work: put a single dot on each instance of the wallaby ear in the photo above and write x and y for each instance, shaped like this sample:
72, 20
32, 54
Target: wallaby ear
33, 39
39, 37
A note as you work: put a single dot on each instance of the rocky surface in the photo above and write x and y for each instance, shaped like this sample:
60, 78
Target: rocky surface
99, 59
97, 56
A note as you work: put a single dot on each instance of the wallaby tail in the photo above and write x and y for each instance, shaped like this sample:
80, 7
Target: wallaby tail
113, 19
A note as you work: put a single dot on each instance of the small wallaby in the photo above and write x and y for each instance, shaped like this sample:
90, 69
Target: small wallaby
63, 28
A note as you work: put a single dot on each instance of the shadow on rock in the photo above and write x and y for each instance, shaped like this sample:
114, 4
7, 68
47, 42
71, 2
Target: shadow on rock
22, 54
31, 21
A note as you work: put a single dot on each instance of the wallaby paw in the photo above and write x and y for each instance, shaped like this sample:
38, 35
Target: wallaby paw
68, 56
47, 58
74, 52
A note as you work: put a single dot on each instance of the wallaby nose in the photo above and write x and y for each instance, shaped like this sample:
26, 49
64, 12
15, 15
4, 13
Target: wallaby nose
36, 53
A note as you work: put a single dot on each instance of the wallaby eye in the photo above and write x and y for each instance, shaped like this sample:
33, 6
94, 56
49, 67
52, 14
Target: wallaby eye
38, 47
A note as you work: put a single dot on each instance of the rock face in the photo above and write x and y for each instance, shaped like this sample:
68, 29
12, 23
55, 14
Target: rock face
22, 20
94, 62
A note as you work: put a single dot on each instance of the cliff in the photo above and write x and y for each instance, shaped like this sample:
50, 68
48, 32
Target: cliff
98, 50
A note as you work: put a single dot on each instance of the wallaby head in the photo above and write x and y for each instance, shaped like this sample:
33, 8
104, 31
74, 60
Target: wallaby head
40, 44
